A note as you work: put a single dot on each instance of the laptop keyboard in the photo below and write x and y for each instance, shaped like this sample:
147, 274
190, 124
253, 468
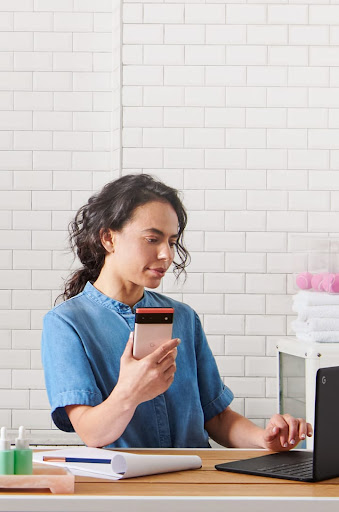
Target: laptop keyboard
301, 469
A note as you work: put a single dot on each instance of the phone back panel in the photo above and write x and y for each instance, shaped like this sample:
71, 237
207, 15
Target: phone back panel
148, 337
153, 326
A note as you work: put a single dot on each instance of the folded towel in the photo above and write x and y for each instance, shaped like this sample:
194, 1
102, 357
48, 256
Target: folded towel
299, 326
306, 312
311, 298
320, 336
316, 324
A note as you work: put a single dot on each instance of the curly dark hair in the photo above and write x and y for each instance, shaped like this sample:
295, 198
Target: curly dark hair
111, 209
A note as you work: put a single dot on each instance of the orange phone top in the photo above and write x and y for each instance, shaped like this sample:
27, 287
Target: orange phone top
154, 310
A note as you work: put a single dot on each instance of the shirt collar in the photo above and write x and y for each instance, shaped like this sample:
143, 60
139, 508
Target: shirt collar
112, 304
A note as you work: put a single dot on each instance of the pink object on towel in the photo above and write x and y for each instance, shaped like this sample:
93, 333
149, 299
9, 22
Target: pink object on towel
334, 288
303, 280
330, 283
316, 282
327, 282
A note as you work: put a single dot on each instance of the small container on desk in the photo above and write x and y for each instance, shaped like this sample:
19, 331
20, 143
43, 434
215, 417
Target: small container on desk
298, 362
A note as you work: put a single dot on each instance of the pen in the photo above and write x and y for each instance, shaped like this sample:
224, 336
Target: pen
76, 459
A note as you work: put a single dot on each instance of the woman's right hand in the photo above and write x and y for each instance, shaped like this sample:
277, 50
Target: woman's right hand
146, 378
139, 381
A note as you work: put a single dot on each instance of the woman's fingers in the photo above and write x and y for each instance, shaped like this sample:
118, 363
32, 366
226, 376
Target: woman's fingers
151, 375
279, 427
286, 431
161, 352
303, 428
309, 430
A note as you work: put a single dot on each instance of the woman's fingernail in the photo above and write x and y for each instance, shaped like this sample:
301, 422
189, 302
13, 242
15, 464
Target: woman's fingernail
302, 436
292, 441
178, 340
285, 445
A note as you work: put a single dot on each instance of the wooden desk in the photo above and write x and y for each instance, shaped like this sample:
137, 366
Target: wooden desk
205, 490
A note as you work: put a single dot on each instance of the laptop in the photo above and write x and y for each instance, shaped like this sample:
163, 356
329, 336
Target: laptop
305, 466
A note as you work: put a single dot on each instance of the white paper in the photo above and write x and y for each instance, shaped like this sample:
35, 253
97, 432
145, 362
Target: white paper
123, 464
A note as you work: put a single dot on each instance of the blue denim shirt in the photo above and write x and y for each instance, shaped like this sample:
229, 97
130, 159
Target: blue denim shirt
82, 342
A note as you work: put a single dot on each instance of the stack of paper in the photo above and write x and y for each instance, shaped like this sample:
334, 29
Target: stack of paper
114, 465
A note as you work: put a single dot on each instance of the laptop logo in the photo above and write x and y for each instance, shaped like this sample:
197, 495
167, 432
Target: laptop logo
323, 379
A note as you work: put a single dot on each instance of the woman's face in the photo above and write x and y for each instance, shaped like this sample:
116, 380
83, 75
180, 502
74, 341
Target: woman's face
144, 249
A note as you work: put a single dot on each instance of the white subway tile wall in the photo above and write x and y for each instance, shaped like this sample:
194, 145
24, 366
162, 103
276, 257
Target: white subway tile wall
58, 61
235, 104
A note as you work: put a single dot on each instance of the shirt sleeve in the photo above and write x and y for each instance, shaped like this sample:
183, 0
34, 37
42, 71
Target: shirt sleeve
68, 375
214, 395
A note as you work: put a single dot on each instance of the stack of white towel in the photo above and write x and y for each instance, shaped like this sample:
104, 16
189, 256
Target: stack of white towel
318, 316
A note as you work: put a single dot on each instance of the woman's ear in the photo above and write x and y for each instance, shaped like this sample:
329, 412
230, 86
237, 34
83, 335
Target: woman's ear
107, 239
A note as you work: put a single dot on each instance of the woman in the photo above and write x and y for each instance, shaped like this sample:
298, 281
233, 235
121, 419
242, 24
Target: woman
126, 238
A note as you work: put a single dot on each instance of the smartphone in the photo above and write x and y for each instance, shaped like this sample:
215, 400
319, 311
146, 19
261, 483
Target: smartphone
153, 326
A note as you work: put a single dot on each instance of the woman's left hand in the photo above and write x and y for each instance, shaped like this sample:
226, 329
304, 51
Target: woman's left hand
284, 432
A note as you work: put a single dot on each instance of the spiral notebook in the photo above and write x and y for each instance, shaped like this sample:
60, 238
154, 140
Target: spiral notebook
305, 466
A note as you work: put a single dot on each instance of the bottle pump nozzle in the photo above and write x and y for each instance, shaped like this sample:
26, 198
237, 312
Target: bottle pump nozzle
5, 443
21, 442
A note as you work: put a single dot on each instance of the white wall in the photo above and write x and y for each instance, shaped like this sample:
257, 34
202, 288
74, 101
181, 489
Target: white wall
235, 104
55, 142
